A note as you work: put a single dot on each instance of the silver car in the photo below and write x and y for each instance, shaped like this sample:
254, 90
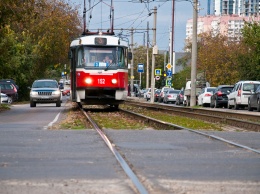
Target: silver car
45, 91
171, 96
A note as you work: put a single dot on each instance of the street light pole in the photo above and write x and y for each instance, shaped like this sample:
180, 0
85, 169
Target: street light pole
155, 51
194, 54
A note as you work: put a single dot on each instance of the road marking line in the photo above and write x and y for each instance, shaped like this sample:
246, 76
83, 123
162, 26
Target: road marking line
51, 123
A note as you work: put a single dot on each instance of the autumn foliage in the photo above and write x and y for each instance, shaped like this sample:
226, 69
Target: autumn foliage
35, 37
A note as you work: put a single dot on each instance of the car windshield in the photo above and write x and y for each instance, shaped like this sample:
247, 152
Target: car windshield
210, 89
250, 86
101, 57
226, 90
174, 91
45, 84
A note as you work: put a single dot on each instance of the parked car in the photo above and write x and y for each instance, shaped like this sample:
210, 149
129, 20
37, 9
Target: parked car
254, 100
163, 92
66, 92
238, 98
10, 81
204, 97
4, 98
145, 93
10, 90
148, 94
171, 96
156, 95
45, 91
220, 96
180, 98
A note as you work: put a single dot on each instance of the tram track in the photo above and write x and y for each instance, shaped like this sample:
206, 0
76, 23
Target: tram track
129, 168
157, 123
244, 121
133, 177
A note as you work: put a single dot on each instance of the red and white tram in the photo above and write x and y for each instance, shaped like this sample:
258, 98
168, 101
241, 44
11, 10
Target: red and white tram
95, 80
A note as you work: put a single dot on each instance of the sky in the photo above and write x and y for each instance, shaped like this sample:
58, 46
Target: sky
132, 13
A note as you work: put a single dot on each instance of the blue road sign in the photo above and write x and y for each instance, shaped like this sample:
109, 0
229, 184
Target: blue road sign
158, 72
169, 73
140, 68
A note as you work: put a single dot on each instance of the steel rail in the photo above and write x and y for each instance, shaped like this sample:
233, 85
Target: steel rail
146, 118
234, 119
139, 186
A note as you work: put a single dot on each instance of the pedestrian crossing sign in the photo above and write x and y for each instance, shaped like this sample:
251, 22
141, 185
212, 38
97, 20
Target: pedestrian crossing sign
158, 72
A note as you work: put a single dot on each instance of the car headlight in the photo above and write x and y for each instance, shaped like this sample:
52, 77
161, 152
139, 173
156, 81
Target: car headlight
56, 93
33, 93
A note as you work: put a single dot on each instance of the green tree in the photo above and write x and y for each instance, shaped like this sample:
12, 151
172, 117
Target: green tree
249, 58
34, 39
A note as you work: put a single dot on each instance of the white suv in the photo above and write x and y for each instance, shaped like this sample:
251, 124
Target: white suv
240, 93
45, 91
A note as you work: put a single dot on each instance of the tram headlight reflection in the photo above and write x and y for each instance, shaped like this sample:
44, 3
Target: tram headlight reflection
114, 81
88, 80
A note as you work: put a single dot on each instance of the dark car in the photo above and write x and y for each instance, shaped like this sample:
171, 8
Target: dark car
220, 96
157, 95
254, 100
180, 98
10, 90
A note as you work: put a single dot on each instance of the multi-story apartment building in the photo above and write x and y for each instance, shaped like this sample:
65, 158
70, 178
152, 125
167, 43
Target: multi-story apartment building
229, 25
237, 7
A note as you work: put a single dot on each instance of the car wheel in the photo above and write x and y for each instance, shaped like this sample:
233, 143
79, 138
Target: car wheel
216, 105
249, 106
236, 106
228, 105
32, 104
58, 103
258, 105
10, 100
211, 104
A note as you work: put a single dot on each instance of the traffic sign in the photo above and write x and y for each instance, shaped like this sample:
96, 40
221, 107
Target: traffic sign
157, 77
169, 73
169, 66
140, 68
168, 82
158, 72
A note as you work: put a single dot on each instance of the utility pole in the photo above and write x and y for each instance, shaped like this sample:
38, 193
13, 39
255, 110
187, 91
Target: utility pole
172, 38
194, 54
155, 52
132, 62
147, 57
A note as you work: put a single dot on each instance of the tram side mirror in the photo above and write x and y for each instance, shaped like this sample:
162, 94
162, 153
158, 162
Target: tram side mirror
70, 55
129, 55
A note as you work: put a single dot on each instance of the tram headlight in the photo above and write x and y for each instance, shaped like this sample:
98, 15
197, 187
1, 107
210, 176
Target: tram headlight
88, 80
114, 81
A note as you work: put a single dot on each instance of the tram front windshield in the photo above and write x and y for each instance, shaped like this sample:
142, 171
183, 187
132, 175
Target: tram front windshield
90, 57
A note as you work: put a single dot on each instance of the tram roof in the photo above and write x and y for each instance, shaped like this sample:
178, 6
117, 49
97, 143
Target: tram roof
99, 40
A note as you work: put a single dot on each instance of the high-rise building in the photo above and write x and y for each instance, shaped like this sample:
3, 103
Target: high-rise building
236, 7
229, 25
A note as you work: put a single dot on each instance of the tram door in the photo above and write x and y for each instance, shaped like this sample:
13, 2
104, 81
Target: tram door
73, 74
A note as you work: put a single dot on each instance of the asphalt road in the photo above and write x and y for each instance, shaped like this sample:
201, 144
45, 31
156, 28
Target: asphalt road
36, 160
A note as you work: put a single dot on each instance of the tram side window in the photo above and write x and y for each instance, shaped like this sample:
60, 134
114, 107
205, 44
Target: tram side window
121, 58
81, 60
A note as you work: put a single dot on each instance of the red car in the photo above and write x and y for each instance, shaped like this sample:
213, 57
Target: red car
66, 92
10, 90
